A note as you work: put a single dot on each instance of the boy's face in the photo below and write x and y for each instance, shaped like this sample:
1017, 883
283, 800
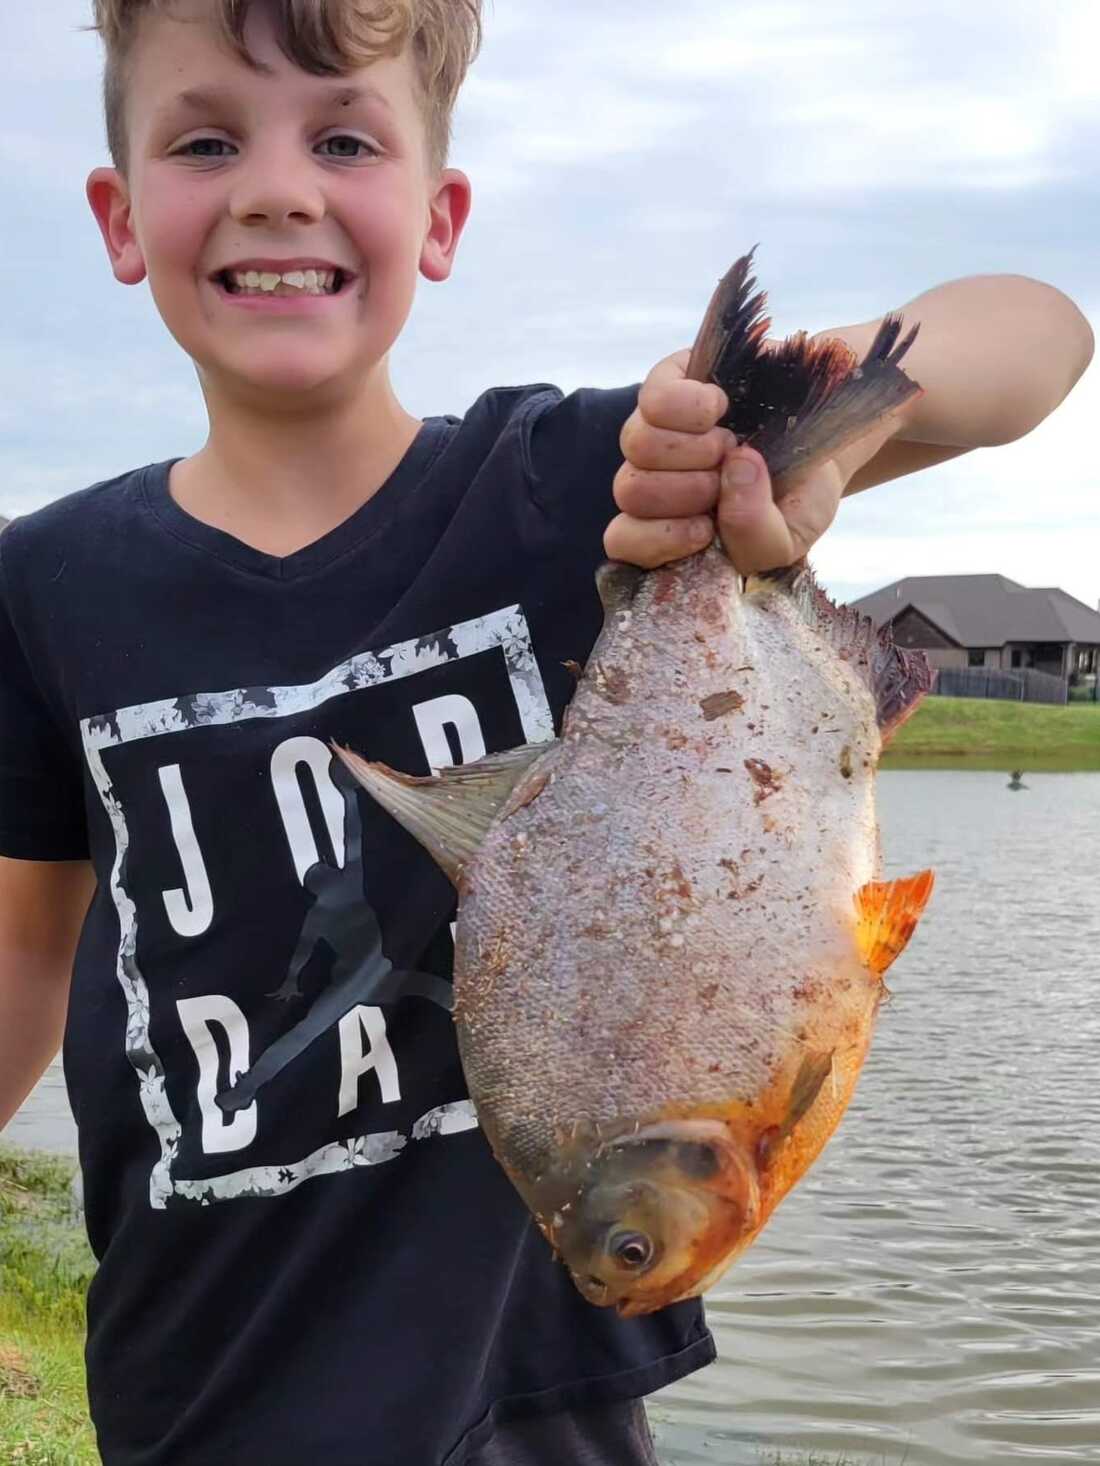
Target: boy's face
237, 173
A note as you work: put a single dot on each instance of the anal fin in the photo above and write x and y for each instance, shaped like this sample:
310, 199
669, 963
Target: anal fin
888, 915
451, 812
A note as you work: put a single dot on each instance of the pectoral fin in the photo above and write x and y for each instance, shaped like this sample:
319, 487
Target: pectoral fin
815, 1069
888, 916
808, 1084
450, 813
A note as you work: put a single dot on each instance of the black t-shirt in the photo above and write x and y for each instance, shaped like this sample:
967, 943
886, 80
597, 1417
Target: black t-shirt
307, 1250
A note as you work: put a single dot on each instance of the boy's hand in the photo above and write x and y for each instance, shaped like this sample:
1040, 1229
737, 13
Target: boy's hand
683, 474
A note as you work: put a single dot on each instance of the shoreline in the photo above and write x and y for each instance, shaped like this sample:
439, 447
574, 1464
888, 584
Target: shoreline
989, 736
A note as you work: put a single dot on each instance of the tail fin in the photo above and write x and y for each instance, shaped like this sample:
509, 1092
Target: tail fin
798, 403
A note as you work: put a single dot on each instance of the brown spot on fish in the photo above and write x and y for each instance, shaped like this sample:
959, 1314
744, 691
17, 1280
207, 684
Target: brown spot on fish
611, 683
846, 761
574, 669
529, 793
666, 589
767, 781
721, 703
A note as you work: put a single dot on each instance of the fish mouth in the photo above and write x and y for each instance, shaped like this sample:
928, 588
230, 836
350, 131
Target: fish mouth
660, 1211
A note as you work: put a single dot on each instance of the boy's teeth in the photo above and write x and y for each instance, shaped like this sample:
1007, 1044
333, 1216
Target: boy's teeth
267, 282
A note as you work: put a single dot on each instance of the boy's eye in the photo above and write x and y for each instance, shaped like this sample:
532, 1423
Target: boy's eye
344, 146
206, 147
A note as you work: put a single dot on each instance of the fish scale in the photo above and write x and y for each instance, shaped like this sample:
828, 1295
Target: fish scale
679, 867
671, 937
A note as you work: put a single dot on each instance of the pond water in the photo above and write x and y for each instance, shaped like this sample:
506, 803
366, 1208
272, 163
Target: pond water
931, 1293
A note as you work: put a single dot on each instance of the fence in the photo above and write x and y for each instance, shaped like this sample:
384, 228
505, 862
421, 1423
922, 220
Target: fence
1021, 685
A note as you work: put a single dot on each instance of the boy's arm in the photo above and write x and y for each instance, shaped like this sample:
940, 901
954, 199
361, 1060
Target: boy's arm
42, 907
995, 355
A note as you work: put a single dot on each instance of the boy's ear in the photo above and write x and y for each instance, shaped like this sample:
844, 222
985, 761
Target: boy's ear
109, 198
449, 210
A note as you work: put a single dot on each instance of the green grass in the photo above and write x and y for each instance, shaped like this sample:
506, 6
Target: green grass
45, 1268
976, 733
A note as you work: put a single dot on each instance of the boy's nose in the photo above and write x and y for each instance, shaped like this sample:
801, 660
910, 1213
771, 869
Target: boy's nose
276, 192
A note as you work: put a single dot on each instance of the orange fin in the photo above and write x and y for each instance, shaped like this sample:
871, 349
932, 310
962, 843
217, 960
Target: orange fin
888, 916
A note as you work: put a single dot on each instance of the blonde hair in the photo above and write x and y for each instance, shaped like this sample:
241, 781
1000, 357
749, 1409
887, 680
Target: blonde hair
325, 38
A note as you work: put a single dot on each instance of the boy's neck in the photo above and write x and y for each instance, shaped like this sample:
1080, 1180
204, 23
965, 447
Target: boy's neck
280, 481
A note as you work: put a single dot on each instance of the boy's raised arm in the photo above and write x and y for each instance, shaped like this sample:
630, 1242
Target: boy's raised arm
996, 354
42, 907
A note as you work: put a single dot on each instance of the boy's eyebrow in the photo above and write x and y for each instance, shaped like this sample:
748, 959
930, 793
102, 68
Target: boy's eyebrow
207, 99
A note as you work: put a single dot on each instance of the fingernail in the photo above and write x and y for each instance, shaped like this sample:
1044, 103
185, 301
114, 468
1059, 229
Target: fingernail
742, 471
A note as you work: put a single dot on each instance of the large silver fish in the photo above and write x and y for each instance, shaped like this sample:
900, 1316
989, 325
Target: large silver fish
672, 933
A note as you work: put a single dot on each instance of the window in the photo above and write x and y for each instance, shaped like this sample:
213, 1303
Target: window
975, 659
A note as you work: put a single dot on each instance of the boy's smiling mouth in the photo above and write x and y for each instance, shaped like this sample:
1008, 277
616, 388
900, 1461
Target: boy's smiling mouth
282, 279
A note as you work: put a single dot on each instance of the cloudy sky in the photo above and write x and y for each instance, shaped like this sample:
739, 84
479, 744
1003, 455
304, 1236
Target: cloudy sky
620, 164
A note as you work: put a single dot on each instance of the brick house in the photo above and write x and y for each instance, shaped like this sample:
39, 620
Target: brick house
989, 621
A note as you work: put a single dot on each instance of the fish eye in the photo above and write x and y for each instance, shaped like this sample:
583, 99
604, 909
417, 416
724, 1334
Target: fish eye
632, 1250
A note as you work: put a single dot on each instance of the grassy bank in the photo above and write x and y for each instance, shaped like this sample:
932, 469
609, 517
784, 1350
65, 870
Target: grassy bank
45, 1266
954, 732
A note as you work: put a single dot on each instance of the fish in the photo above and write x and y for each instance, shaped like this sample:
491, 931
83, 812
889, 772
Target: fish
672, 926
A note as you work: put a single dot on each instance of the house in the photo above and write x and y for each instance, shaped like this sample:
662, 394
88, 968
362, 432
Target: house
990, 621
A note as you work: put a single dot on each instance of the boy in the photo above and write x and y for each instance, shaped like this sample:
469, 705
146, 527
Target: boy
333, 1267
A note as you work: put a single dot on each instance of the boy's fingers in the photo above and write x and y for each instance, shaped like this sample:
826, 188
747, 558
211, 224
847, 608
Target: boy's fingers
653, 542
650, 494
683, 406
753, 530
662, 449
811, 507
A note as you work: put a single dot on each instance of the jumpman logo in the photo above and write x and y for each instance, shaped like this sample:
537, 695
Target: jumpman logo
342, 920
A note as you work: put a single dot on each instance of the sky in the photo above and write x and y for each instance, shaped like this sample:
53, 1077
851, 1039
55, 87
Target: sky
622, 156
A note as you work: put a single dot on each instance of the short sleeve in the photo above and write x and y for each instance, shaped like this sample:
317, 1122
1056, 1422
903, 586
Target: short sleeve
575, 453
42, 814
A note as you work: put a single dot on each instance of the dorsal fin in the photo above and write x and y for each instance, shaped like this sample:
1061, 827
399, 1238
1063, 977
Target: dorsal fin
899, 680
800, 402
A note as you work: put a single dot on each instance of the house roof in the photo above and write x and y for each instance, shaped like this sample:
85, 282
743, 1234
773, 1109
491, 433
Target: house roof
987, 610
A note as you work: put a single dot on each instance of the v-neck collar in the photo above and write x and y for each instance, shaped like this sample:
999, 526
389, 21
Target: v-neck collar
366, 521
